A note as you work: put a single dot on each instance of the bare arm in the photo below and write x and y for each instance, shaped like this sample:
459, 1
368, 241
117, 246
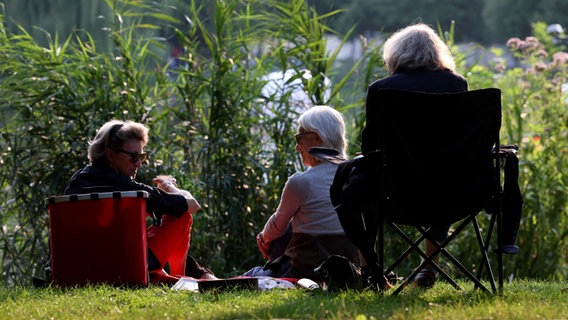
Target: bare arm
169, 185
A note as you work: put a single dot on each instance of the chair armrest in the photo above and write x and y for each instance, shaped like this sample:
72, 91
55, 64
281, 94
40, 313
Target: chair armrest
504, 150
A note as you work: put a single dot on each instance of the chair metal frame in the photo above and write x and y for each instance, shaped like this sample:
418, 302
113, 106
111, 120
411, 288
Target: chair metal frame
414, 246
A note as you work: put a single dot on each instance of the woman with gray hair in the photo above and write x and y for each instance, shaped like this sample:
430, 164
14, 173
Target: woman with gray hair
417, 59
417, 47
306, 205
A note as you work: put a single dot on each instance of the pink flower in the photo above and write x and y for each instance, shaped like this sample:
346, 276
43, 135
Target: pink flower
532, 41
560, 58
540, 66
514, 43
542, 53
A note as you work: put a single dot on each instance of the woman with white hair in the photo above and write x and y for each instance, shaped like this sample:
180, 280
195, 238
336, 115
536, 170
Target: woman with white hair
417, 59
306, 205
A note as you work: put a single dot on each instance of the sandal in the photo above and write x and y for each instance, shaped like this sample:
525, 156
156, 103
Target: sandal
426, 278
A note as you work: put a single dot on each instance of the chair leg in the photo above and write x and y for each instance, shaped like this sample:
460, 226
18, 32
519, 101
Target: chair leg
381, 258
500, 249
494, 224
415, 247
440, 250
484, 258
456, 262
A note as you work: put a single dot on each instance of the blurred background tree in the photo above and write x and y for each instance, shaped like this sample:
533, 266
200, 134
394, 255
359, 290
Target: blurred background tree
482, 21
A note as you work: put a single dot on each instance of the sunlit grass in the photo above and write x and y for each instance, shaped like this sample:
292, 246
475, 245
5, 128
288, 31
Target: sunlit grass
520, 300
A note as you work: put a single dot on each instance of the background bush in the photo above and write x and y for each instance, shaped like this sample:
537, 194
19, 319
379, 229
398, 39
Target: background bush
209, 125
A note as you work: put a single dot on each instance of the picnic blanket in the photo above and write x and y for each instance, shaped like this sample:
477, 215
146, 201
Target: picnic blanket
250, 283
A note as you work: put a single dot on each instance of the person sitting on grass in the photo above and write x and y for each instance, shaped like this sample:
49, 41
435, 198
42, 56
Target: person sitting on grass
115, 154
305, 205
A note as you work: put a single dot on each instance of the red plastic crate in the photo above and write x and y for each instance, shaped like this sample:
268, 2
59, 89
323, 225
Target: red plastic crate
99, 238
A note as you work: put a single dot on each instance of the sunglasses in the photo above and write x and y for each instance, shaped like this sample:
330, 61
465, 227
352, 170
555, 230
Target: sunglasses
134, 156
299, 135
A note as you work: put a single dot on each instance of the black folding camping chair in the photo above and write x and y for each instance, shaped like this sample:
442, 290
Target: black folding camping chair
439, 162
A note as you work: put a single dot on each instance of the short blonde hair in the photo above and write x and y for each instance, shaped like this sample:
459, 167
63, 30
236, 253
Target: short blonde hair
417, 46
112, 135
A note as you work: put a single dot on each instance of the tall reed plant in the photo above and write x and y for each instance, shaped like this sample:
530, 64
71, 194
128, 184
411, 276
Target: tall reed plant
198, 79
206, 114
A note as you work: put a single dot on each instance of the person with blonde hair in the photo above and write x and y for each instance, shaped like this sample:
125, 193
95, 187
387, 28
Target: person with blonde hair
306, 206
115, 154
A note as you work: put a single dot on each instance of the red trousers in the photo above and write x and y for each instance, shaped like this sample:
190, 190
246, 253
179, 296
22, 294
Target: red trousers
170, 241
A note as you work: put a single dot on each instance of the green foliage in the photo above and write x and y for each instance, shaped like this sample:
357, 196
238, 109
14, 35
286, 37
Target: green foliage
224, 139
57, 96
483, 21
501, 24
534, 117
206, 115
242, 178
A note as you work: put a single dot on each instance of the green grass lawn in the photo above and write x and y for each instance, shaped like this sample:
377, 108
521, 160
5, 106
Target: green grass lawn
520, 300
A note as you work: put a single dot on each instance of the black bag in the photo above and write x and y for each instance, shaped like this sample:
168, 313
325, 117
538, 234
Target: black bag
337, 273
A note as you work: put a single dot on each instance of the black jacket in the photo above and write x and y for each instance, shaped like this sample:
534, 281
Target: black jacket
102, 178
440, 81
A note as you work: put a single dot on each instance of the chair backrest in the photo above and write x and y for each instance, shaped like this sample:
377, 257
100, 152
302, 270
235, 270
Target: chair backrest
98, 238
438, 152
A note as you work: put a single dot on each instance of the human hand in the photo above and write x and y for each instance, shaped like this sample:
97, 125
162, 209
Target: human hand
264, 247
165, 182
168, 184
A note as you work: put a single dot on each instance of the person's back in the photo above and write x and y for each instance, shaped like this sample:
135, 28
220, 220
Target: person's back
423, 80
316, 230
313, 215
416, 59
306, 205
